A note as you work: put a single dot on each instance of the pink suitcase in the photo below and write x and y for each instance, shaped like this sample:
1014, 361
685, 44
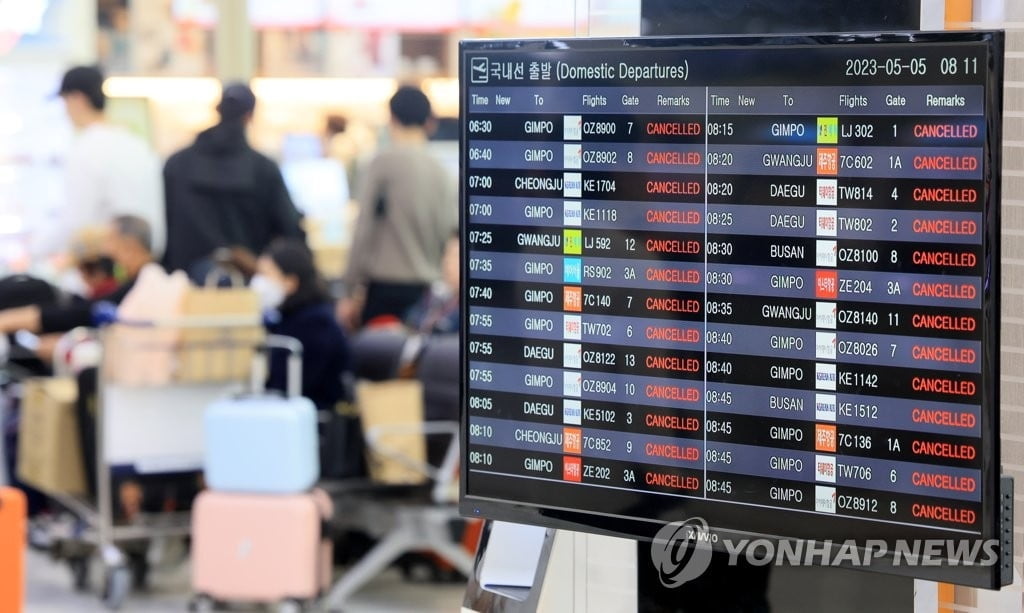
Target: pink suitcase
260, 548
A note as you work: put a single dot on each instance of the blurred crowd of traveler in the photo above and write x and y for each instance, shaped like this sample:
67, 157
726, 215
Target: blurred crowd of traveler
219, 204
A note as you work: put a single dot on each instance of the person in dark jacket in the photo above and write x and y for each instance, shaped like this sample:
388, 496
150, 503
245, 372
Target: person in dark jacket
221, 193
296, 304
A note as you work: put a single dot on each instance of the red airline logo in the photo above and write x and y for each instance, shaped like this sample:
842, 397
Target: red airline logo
572, 440
828, 161
572, 299
826, 284
825, 438
572, 469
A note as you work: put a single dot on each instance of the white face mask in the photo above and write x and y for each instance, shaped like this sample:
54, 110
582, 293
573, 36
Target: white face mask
270, 292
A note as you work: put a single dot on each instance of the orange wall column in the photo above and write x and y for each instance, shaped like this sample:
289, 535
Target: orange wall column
958, 12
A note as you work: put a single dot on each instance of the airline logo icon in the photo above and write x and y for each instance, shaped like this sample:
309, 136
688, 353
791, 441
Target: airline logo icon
828, 223
824, 499
827, 253
828, 161
572, 327
825, 407
572, 270
572, 469
572, 183
572, 127
572, 412
572, 299
825, 377
826, 284
828, 130
825, 315
825, 438
572, 156
828, 192
825, 345
572, 440
572, 384
825, 468
572, 355
572, 213
572, 242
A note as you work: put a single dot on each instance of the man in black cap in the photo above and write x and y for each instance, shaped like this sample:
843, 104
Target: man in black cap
223, 194
109, 170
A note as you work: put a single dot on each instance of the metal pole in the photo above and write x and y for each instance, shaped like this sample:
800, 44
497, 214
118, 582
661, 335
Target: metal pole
104, 502
235, 42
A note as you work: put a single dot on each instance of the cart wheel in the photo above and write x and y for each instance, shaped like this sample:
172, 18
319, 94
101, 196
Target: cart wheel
290, 606
202, 604
417, 569
79, 567
116, 585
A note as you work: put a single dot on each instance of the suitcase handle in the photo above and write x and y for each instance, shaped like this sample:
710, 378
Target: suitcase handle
223, 266
261, 361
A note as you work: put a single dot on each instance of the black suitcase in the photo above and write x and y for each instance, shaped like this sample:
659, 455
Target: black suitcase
23, 290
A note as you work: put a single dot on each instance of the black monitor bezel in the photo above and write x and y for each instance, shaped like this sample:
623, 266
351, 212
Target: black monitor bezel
631, 527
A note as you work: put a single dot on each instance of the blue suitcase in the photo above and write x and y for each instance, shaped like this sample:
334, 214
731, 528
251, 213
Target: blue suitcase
262, 443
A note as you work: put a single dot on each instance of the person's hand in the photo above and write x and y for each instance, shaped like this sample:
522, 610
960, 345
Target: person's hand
244, 260
348, 311
19, 318
47, 346
7, 322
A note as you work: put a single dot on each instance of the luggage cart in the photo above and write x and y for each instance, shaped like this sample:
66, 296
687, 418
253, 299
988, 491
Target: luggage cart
150, 420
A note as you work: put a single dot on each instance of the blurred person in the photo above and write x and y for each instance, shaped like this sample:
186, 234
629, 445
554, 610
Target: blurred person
334, 125
437, 312
110, 171
349, 141
407, 211
392, 347
223, 194
113, 34
94, 264
129, 245
97, 280
296, 304
98, 276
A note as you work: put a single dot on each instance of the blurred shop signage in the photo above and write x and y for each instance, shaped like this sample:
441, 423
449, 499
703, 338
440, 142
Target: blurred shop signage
411, 15
397, 14
201, 13
291, 14
521, 13
19, 18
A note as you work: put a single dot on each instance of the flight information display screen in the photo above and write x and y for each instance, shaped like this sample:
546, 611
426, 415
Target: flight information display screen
753, 280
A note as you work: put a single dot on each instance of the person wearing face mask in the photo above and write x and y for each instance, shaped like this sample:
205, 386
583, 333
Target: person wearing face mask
296, 304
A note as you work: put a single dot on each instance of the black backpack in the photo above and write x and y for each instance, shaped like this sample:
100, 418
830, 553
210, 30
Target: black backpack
23, 290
